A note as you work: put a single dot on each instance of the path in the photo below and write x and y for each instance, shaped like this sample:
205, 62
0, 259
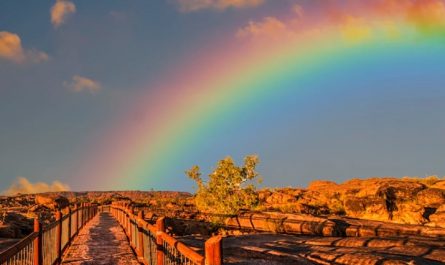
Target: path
101, 241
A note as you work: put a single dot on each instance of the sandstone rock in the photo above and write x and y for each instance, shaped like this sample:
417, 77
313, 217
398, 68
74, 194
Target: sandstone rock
373, 208
280, 198
283, 223
407, 201
432, 197
44, 200
438, 218
52, 201
38, 208
170, 205
322, 185
409, 213
402, 189
439, 185
441, 208
7, 231
15, 225
263, 195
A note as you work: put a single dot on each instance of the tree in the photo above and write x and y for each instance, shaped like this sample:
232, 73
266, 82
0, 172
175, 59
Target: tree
229, 187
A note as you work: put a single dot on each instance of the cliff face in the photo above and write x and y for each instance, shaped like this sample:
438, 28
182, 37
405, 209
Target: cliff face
405, 201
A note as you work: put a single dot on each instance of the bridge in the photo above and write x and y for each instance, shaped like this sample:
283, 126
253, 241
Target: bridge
92, 234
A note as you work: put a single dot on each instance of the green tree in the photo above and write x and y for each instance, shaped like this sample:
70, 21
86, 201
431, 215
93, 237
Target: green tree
229, 188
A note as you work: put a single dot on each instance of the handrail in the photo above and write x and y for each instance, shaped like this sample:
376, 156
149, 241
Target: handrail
14, 249
46, 246
155, 247
182, 248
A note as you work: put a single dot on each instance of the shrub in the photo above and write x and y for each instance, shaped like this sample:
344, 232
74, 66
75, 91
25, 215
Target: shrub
229, 187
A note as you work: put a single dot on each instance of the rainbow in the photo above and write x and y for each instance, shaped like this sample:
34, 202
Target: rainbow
214, 85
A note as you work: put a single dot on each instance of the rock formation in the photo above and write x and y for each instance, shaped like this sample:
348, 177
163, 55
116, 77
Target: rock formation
404, 201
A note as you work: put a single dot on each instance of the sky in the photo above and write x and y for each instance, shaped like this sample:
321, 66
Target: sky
114, 95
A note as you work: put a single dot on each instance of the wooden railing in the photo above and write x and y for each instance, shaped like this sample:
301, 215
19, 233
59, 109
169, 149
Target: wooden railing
155, 247
46, 245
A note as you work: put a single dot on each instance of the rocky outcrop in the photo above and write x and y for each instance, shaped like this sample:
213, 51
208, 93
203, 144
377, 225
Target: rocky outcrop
437, 218
283, 223
53, 201
15, 225
405, 201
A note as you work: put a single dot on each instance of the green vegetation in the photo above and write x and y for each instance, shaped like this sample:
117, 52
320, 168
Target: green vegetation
229, 187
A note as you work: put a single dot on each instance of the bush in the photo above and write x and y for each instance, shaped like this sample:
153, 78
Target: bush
229, 187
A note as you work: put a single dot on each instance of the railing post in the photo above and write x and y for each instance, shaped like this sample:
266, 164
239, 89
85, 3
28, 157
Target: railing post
140, 234
76, 208
213, 251
58, 236
84, 214
90, 211
160, 227
130, 228
127, 217
87, 210
123, 213
81, 215
38, 252
69, 224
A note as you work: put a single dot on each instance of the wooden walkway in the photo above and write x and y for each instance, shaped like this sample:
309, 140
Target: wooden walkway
101, 241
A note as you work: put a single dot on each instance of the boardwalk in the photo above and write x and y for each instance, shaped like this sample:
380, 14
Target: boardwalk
102, 241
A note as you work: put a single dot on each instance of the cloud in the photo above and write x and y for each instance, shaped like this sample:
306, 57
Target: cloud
298, 9
355, 23
60, 11
273, 29
80, 83
269, 27
195, 5
427, 14
24, 186
11, 49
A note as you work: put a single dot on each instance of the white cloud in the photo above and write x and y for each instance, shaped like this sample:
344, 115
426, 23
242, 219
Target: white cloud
24, 186
194, 5
11, 49
80, 83
60, 11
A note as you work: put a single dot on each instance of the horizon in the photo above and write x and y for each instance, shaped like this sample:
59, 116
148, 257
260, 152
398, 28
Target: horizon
103, 96
259, 187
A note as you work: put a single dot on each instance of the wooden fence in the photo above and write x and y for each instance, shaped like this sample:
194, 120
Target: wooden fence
46, 245
155, 247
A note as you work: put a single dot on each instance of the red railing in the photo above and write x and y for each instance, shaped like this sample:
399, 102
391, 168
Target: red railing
155, 247
45, 246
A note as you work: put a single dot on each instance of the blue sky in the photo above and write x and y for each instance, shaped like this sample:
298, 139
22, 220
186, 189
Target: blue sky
72, 77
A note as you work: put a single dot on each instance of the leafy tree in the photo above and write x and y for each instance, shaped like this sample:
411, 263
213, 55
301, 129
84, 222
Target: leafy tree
229, 187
